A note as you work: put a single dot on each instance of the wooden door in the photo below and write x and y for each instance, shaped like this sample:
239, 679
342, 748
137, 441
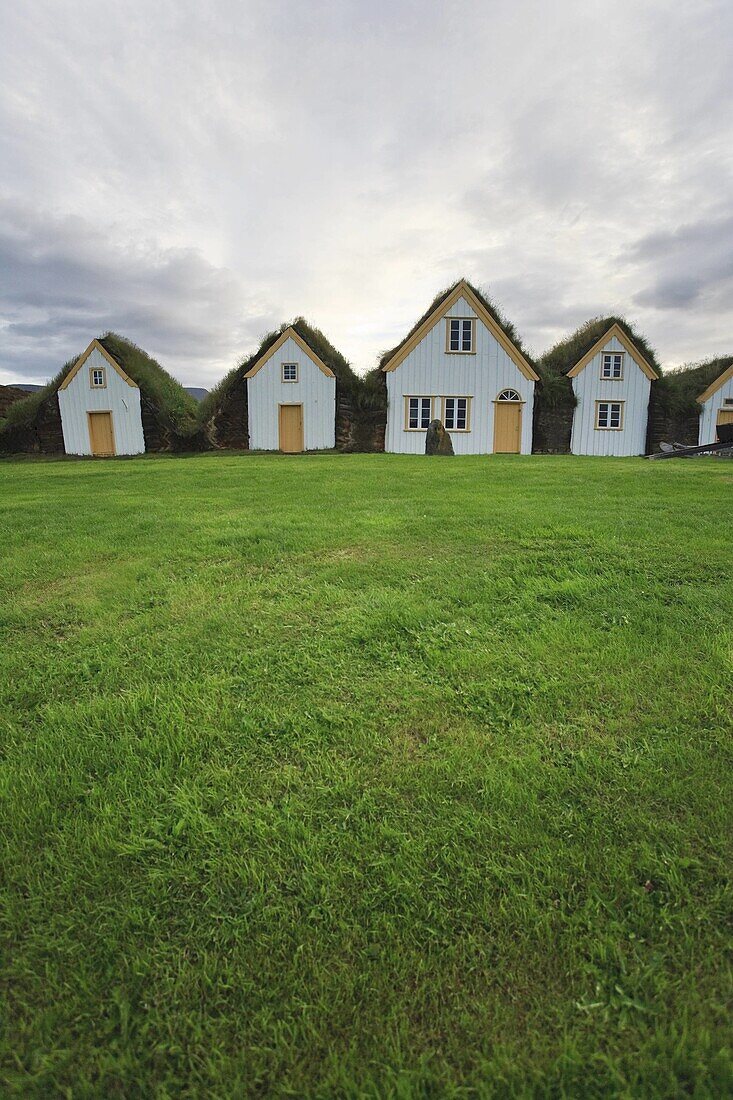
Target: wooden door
507, 427
291, 428
725, 416
101, 435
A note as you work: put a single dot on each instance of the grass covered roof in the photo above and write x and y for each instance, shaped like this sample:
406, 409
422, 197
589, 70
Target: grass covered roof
316, 341
683, 387
494, 312
156, 384
567, 352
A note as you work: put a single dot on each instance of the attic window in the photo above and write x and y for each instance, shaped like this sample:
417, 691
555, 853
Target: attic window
290, 372
612, 364
610, 415
460, 335
728, 401
98, 377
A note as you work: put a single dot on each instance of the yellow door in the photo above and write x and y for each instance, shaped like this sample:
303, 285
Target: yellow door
291, 428
725, 416
507, 427
101, 435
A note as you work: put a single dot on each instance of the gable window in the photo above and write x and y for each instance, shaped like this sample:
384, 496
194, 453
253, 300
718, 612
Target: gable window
418, 413
98, 377
290, 372
610, 415
612, 364
460, 334
456, 414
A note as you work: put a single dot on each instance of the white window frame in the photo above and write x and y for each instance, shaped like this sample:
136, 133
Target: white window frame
620, 355
420, 411
444, 413
466, 328
282, 372
102, 371
608, 426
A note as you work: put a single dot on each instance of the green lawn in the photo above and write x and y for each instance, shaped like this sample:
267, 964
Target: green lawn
366, 776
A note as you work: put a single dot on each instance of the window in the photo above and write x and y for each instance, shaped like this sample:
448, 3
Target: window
418, 413
459, 334
455, 414
290, 372
728, 401
509, 395
609, 415
98, 378
612, 364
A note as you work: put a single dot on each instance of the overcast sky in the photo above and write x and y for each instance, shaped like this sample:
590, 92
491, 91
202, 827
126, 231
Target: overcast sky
191, 174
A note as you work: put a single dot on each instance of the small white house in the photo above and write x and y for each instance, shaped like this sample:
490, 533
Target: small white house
717, 406
291, 398
100, 407
460, 366
612, 384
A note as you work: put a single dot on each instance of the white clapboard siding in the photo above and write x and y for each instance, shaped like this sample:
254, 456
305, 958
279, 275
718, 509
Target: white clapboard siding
710, 409
117, 397
314, 390
429, 371
633, 389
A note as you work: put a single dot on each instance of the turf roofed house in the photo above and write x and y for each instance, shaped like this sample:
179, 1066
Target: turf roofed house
112, 400
461, 364
716, 405
294, 394
596, 386
612, 385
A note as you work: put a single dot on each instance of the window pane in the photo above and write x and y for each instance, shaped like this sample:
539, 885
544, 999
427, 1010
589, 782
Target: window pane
461, 414
455, 335
413, 417
425, 412
449, 411
603, 416
466, 336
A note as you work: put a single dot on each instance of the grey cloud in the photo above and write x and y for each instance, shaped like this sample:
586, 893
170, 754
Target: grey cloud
63, 281
193, 174
691, 265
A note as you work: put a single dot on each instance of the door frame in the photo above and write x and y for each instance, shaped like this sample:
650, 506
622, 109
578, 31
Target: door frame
290, 405
723, 411
512, 405
98, 412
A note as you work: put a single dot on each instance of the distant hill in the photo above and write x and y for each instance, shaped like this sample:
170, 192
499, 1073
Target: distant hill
195, 391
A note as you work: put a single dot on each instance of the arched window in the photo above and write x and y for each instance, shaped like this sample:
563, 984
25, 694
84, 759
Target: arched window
509, 395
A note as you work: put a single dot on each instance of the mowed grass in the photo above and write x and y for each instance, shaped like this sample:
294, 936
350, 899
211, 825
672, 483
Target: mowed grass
366, 776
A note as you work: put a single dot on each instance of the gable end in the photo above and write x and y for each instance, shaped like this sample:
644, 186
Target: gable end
715, 386
96, 346
289, 334
463, 290
633, 351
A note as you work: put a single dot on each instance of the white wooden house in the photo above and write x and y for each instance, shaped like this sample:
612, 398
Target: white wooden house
717, 406
612, 385
291, 398
100, 407
461, 367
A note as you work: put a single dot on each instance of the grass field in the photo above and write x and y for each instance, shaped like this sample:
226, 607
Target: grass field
366, 776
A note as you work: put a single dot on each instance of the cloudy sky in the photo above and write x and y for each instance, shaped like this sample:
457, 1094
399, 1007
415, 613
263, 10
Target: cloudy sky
192, 174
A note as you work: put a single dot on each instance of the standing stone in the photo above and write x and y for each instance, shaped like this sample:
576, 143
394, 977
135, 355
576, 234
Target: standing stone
437, 440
